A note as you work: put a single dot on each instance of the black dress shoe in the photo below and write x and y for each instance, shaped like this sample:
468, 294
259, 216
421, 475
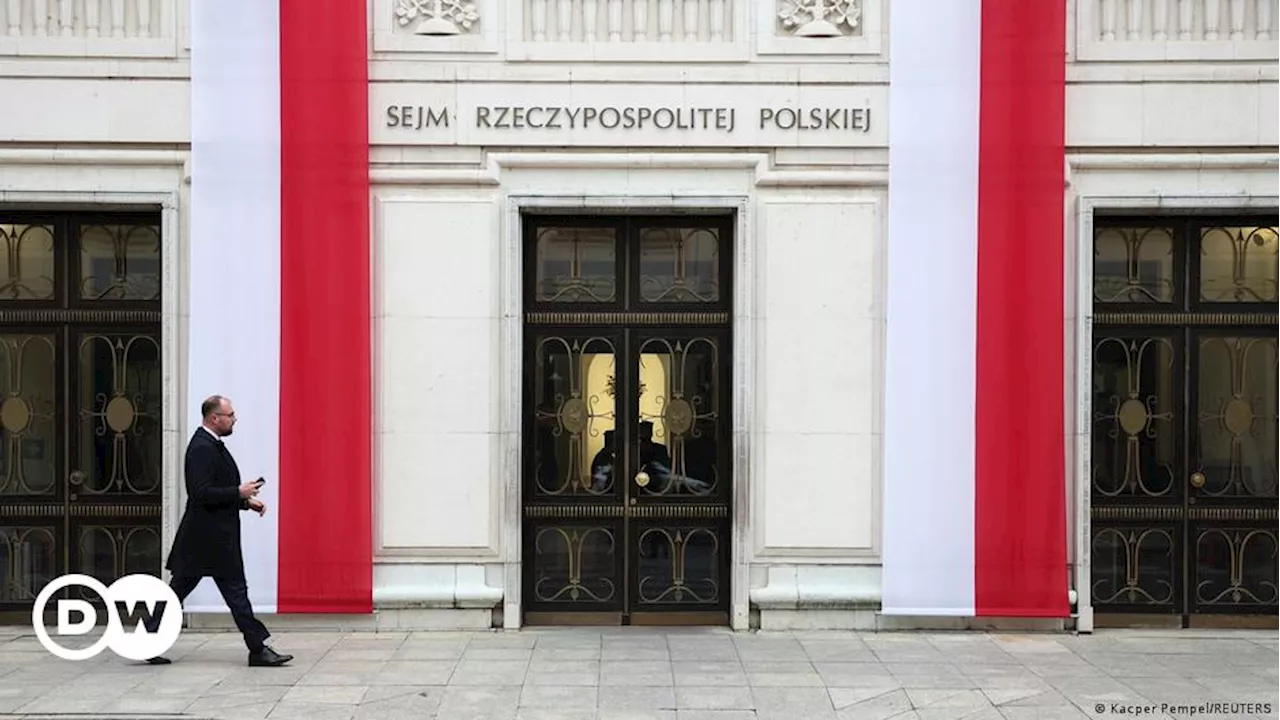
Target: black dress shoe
266, 657
159, 660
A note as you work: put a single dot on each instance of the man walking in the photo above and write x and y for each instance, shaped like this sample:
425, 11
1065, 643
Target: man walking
208, 539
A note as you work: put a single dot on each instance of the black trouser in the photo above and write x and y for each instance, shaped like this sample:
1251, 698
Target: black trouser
236, 594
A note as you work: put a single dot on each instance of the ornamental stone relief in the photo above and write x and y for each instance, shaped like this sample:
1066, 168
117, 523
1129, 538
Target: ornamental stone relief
820, 18
438, 17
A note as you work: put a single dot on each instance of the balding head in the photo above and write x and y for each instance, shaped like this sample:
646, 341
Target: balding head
211, 404
218, 415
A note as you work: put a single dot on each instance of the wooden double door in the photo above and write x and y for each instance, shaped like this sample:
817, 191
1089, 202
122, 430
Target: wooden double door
80, 401
627, 422
1184, 436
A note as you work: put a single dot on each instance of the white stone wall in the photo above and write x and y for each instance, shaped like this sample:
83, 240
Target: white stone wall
805, 381
1171, 104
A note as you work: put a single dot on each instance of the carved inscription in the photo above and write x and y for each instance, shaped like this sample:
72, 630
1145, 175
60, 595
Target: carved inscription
609, 118
718, 119
417, 117
855, 119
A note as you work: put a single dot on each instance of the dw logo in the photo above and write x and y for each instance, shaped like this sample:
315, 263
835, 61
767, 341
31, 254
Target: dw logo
133, 603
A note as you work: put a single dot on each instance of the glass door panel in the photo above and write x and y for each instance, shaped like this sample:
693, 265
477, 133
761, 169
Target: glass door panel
573, 502
1183, 491
679, 536
626, 435
1233, 479
81, 441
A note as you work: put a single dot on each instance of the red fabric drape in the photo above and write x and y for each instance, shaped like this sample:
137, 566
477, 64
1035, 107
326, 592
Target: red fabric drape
1020, 512
326, 429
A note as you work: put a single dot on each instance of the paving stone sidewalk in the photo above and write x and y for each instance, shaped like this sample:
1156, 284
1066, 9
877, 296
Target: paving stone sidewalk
645, 674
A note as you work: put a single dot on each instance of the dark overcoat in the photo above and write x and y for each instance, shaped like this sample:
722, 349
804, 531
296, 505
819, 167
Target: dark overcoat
208, 539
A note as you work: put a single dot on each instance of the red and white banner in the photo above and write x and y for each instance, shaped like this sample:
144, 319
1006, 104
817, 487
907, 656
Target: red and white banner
975, 509
279, 315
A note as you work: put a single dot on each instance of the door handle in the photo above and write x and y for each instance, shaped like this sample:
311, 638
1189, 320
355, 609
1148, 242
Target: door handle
77, 480
1197, 480
642, 478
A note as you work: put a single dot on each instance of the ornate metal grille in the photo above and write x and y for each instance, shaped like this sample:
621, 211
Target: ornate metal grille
80, 399
1184, 431
627, 437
